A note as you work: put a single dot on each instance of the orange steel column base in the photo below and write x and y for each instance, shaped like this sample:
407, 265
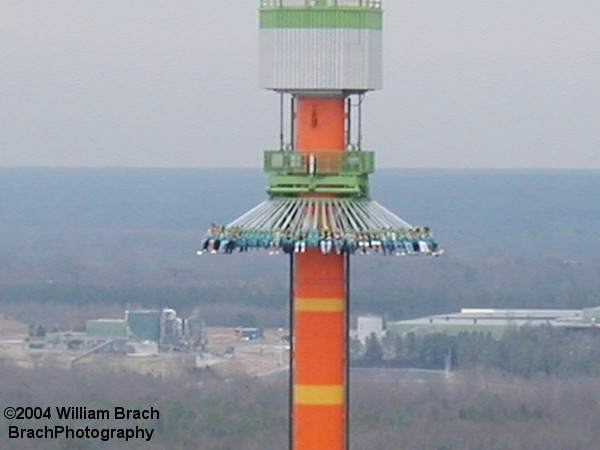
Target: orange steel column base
319, 351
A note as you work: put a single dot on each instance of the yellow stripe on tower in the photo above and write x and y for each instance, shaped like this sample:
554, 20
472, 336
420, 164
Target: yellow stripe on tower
318, 395
319, 304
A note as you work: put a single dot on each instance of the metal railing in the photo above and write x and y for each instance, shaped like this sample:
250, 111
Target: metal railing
286, 162
376, 4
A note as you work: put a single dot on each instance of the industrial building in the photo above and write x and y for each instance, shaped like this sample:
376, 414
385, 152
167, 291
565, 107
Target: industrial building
497, 321
140, 331
366, 326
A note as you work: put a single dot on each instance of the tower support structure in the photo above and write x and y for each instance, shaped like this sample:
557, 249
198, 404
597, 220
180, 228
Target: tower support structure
319, 360
322, 53
319, 357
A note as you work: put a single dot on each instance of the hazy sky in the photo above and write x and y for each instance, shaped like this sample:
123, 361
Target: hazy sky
501, 84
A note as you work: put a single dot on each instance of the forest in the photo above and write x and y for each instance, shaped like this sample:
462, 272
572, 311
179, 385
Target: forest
77, 243
86, 243
473, 410
526, 352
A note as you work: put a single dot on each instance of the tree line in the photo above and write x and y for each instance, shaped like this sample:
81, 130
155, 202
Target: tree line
526, 351
473, 410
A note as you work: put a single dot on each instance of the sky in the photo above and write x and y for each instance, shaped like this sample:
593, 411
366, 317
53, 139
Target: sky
148, 83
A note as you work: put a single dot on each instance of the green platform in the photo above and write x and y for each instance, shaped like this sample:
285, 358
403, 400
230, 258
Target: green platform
321, 172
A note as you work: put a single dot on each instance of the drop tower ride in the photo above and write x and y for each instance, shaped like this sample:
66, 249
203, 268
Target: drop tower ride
322, 57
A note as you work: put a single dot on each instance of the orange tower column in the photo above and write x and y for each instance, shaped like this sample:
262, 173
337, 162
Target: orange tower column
319, 309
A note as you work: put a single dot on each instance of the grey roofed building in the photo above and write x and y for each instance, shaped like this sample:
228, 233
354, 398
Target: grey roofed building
497, 321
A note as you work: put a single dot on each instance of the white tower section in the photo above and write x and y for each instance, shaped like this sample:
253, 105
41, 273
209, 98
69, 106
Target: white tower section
321, 45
